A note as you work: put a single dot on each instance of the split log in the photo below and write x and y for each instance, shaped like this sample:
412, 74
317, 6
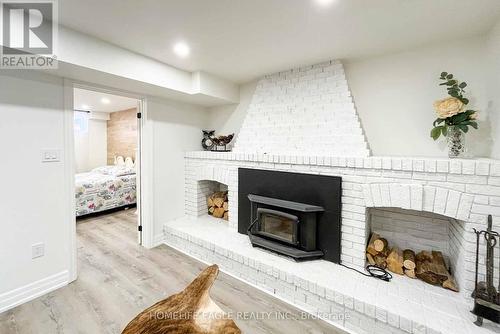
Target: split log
370, 259
410, 273
395, 261
450, 284
226, 216
409, 259
371, 247
380, 261
431, 267
380, 245
219, 202
218, 212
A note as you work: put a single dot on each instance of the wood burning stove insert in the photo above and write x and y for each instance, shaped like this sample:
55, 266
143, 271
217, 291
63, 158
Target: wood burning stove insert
286, 227
286, 193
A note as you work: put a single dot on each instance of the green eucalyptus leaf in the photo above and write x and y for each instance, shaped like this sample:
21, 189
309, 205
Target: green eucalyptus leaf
436, 132
473, 124
449, 76
443, 74
463, 127
459, 118
462, 85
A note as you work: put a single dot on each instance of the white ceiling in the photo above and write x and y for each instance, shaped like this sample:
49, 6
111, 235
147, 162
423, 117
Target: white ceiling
244, 39
92, 101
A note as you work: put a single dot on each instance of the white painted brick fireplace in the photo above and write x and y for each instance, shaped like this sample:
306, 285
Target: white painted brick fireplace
304, 121
304, 111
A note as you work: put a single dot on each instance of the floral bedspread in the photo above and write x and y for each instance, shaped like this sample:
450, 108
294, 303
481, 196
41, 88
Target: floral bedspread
95, 192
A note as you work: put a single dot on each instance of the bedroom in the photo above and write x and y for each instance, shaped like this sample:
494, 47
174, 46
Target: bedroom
106, 156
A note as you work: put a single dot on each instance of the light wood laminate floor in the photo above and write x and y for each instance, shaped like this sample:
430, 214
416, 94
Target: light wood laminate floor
118, 279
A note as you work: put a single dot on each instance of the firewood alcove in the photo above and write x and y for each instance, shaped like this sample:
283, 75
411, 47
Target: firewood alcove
413, 244
218, 205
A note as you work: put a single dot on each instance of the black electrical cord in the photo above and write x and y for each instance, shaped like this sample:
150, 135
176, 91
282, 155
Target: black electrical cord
373, 271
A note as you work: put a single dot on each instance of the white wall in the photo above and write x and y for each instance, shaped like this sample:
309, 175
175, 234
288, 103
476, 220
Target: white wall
177, 128
98, 143
228, 119
394, 96
493, 87
91, 147
32, 200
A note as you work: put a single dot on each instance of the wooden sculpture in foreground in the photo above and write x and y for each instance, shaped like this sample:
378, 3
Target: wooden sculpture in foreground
188, 312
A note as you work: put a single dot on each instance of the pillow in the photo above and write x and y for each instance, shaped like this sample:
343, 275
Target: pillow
119, 161
129, 162
114, 170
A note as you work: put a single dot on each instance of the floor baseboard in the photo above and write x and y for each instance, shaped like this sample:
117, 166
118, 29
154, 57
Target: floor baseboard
33, 290
158, 239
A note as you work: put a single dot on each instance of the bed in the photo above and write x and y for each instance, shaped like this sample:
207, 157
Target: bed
104, 188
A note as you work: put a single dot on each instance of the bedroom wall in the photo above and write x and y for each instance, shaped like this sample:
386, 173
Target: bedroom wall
122, 134
176, 129
32, 200
91, 143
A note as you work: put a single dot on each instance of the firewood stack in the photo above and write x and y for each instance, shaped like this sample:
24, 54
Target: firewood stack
218, 205
429, 266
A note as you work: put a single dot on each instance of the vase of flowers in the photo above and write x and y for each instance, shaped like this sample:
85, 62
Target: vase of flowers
454, 118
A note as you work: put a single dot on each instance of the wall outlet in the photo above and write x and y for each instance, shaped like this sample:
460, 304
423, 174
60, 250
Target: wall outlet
51, 155
37, 250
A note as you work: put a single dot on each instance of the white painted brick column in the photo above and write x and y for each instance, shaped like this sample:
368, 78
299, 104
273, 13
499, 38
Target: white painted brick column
308, 109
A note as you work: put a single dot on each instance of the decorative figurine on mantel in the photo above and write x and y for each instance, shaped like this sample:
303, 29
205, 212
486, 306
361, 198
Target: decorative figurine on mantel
454, 119
210, 142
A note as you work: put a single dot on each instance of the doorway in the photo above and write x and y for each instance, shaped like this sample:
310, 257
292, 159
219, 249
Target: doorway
104, 133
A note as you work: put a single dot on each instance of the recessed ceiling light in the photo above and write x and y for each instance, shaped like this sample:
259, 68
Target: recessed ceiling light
325, 2
105, 100
85, 107
181, 49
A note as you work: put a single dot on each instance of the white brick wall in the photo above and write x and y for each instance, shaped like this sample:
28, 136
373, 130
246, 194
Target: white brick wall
307, 110
405, 183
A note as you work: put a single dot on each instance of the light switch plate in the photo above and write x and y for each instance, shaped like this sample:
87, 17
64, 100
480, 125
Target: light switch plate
37, 250
50, 155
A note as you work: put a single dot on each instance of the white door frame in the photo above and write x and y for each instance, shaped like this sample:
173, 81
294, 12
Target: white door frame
144, 200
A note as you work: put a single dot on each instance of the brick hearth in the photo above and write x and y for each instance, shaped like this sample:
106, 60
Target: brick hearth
464, 191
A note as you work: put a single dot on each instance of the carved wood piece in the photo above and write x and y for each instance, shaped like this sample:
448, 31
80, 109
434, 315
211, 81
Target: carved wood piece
194, 300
